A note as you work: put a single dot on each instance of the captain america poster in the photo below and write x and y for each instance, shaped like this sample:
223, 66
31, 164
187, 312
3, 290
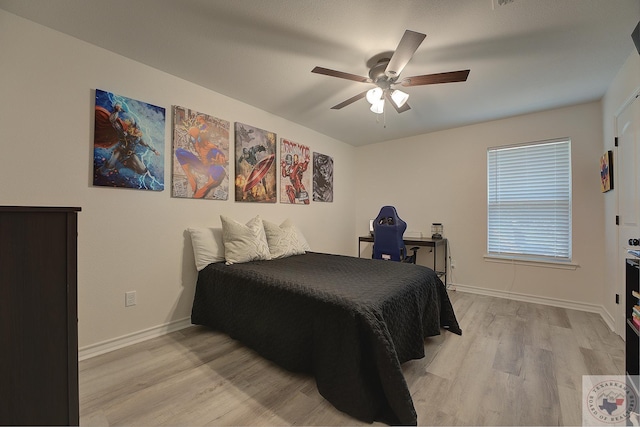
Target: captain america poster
255, 164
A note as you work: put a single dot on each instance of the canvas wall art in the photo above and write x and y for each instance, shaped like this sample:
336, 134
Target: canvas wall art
295, 173
606, 172
200, 156
255, 163
128, 146
322, 178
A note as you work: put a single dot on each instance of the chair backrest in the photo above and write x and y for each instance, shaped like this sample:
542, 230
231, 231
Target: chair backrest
388, 230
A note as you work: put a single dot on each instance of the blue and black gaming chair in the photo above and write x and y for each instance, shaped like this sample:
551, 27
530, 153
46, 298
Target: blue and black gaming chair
388, 230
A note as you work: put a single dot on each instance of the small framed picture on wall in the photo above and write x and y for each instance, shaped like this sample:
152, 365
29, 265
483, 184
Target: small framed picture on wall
606, 172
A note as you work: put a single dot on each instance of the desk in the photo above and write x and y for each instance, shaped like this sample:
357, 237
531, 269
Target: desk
440, 250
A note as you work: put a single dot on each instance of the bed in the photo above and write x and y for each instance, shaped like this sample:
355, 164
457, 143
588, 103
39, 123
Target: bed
350, 322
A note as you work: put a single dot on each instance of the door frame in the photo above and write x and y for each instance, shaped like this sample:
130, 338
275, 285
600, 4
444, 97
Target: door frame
620, 289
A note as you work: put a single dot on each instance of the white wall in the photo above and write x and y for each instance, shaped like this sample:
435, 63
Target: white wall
128, 239
135, 240
441, 177
625, 84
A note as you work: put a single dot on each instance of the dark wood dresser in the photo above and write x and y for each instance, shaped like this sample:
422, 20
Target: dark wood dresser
38, 316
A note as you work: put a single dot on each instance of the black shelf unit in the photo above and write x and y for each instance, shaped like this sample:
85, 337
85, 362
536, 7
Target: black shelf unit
632, 334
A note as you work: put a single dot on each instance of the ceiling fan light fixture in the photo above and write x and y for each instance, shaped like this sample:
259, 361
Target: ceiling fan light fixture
378, 106
374, 95
399, 97
386, 71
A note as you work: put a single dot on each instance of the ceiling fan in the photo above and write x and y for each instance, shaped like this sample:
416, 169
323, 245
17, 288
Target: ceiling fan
385, 74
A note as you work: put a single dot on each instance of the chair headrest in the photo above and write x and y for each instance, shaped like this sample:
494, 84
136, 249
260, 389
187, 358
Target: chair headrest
388, 217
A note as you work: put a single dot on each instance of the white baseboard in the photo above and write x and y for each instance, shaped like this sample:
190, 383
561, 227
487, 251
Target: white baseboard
609, 320
133, 338
554, 302
97, 349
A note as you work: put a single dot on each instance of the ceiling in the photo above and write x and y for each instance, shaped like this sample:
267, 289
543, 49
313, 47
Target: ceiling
524, 55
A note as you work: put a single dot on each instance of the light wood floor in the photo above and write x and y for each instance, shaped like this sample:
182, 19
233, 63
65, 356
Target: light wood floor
515, 364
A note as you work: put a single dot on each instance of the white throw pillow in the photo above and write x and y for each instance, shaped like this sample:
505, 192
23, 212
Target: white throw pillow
207, 246
301, 240
284, 240
243, 243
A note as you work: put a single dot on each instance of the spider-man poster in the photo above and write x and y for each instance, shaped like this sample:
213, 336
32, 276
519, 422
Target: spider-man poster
200, 155
128, 147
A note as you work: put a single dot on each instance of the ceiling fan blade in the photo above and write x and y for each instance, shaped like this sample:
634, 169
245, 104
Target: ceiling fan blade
340, 74
430, 79
402, 109
404, 52
350, 100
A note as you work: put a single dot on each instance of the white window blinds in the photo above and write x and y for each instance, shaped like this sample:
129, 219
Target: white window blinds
529, 201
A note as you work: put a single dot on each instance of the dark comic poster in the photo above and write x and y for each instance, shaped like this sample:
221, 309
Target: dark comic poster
255, 164
128, 146
322, 178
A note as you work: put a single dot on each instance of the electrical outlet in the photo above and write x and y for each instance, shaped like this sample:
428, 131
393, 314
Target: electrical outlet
130, 298
453, 263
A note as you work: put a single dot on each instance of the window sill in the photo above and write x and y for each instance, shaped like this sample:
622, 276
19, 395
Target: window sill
531, 262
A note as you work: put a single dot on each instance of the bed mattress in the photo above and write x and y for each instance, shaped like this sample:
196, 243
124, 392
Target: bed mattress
350, 322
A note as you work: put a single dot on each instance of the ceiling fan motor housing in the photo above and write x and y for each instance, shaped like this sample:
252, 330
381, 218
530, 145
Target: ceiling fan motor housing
378, 76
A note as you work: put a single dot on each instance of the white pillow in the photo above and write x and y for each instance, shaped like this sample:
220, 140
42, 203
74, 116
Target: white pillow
207, 246
243, 243
284, 240
301, 240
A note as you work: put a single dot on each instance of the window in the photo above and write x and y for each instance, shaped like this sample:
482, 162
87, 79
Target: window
529, 201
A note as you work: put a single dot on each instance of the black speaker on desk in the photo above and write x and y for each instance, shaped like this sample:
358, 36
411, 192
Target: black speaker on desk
636, 37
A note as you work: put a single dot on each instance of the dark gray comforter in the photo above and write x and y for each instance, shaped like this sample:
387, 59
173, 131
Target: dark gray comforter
351, 322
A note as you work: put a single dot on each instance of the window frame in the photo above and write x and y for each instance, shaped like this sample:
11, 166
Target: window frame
562, 201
